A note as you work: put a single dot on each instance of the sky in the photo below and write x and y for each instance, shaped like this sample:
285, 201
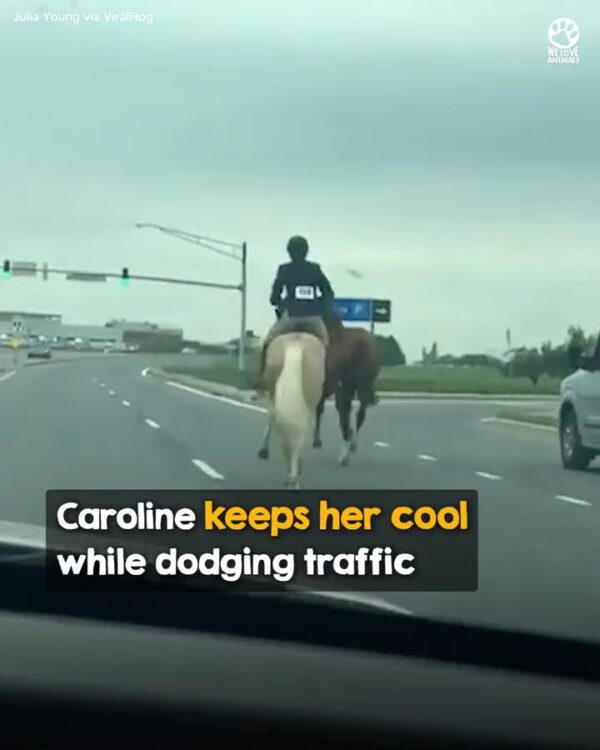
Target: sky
427, 145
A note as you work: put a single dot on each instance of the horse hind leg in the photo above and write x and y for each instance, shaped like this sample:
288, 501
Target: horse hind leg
343, 402
318, 416
264, 448
294, 466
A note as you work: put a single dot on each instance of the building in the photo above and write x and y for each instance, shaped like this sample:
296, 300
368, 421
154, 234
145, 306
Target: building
114, 333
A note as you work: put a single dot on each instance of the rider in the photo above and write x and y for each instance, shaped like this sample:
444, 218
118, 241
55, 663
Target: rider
308, 294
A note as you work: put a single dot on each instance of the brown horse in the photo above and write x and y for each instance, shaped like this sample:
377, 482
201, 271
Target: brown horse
353, 365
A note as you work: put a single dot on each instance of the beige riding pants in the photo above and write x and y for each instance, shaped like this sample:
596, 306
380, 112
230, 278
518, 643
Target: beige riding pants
285, 324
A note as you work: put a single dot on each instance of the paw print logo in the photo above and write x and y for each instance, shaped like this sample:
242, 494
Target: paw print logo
563, 33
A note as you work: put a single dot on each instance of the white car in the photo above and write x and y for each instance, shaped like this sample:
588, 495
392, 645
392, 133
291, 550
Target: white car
579, 415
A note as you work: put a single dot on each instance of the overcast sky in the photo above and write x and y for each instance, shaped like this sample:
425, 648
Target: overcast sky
427, 145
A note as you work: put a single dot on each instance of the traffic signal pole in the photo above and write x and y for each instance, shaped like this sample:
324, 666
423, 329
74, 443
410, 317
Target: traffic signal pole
139, 277
243, 288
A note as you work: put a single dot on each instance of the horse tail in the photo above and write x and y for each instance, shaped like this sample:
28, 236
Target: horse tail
367, 394
291, 412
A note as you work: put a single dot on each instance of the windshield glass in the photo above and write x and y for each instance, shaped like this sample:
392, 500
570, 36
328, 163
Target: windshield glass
183, 182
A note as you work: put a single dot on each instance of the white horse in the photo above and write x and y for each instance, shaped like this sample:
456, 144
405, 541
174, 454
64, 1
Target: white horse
293, 379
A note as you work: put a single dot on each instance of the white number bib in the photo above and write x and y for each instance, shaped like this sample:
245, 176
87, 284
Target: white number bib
304, 292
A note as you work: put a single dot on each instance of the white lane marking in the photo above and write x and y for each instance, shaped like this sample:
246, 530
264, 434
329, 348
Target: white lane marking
505, 420
8, 375
125, 403
152, 423
111, 393
102, 385
381, 444
145, 372
426, 457
207, 469
573, 500
94, 379
486, 475
363, 599
224, 399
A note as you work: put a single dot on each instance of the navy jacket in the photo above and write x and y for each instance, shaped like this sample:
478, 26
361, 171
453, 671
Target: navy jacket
307, 289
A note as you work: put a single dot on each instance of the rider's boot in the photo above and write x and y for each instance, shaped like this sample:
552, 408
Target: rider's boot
257, 383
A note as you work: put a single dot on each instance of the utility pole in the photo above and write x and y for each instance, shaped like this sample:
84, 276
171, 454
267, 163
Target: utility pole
237, 251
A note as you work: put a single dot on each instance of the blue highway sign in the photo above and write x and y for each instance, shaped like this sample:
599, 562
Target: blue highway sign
354, 310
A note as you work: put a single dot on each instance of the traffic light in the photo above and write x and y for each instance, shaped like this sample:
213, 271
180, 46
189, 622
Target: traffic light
6, 269
125, 277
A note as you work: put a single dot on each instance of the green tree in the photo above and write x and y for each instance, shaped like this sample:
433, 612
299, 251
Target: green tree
390, 351
528, 363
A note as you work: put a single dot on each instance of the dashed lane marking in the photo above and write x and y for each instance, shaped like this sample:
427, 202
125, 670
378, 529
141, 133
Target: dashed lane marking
214, 397
426, 457
381, 444
111, 393
7, 375
152, 423
125, 403
487, 475
572, 500
207, 469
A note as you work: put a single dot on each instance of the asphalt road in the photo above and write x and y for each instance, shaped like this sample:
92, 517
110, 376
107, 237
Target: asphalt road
100, 423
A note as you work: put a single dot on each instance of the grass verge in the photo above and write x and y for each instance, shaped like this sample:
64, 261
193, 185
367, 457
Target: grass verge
410, 379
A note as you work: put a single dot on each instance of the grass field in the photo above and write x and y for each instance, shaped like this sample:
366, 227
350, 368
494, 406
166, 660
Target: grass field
411, 378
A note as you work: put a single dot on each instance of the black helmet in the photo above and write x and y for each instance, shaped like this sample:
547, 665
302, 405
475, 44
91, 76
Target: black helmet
297, 247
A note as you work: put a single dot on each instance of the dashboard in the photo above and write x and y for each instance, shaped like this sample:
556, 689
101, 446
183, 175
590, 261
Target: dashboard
70, 681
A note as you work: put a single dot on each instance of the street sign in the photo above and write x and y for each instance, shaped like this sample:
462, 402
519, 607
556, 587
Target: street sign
76, 276
23, 268
354, 310
382, 310
359, 310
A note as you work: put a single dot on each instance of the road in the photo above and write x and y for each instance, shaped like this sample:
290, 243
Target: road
100, 423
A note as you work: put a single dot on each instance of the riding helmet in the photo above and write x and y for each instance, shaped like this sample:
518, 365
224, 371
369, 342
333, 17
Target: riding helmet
297, 247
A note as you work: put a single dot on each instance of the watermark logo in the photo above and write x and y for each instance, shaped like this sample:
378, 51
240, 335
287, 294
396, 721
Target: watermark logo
563, 35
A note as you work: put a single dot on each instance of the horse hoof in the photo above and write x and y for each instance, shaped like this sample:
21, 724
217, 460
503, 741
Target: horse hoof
263, 453
317, 444
353, 448
344, 460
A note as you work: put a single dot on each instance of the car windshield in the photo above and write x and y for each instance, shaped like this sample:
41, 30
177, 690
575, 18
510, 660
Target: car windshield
412, 185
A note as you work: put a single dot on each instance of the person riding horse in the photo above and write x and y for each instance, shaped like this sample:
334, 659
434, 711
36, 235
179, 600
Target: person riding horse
308, 296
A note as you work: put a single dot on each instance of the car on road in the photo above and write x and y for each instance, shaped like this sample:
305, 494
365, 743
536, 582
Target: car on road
39, 352
579, 415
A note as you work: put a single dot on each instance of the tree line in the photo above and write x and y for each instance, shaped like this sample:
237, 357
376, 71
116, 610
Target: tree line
530, 362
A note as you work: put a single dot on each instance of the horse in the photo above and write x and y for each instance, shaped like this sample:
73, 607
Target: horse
353, 364
294, 379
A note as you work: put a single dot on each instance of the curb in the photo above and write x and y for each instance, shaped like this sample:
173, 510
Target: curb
249, 396
210, 386
523, 423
